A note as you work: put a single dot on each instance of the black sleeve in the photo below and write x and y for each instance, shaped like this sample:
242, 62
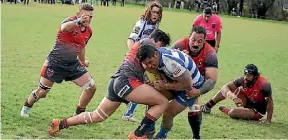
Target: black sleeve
66, 20
211, 60
266, 89
238, 82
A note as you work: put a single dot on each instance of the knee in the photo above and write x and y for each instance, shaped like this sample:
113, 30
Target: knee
98, 115
39, 93
93, 89
164, 102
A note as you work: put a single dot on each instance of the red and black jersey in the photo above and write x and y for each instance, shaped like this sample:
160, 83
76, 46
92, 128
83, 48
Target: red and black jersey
68, 45
258, 91
131, 67
206, 58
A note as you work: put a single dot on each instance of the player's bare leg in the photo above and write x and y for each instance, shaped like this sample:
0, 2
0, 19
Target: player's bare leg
41, 92
151, 130
173, 109
103, 111
145, 94
221, 95
240, 113
89, 88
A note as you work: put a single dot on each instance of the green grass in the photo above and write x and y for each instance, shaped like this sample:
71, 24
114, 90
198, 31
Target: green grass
28, 34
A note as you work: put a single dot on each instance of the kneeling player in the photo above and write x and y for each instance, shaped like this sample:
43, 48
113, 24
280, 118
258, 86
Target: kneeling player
251, 91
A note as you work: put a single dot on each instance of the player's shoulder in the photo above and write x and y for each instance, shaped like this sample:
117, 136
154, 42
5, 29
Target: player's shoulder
216, 17
199, 17
140, 21
181, 43
208, 50
262, 80
146, 41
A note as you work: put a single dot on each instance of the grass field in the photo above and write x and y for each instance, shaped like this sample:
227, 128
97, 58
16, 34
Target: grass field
28, 34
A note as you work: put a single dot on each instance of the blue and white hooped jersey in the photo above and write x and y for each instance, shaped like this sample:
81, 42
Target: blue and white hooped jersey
141, 30
174, 63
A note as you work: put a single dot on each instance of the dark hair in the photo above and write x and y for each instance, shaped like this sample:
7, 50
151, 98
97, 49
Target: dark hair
146, 16
207, 11
145, 51
86, 6
159, 35
199, 30
252, 69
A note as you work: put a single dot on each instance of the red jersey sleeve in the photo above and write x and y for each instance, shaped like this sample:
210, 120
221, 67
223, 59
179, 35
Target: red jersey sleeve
180, 45
197, 21
218, 25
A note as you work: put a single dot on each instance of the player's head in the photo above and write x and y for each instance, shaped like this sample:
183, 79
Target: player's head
250, 74
197, 39
207, 13
153, 12
85, 8
148, 55
161, 39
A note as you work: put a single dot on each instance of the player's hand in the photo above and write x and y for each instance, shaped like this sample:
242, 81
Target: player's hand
265, 121
238, 102
85, 64
193, 93
216, 48
84, 19
159, 85
185, 51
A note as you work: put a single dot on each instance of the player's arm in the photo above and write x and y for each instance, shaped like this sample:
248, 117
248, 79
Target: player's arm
81, 56
218, 33
196, 21
183, 82
69, 24
135, 34
179, 45
267, 91
182, 77
211, 73
228, 89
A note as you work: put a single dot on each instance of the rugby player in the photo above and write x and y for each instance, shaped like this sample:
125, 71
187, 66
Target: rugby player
66, 61
125, 85
252, 91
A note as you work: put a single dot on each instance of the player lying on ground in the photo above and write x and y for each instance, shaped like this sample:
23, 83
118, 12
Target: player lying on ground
144, 27
124, 86
67, 61
252, 91
206, 60
185, 76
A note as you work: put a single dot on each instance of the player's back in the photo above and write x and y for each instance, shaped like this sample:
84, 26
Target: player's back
172, 56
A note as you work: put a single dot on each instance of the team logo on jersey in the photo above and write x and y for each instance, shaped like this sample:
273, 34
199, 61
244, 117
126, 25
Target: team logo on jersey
50, 72
213, 25
136, 30
255, 93
148, 31
200, 63
75, 33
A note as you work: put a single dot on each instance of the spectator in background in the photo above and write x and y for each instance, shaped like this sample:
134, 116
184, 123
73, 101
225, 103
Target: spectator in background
114, 2
122, 3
